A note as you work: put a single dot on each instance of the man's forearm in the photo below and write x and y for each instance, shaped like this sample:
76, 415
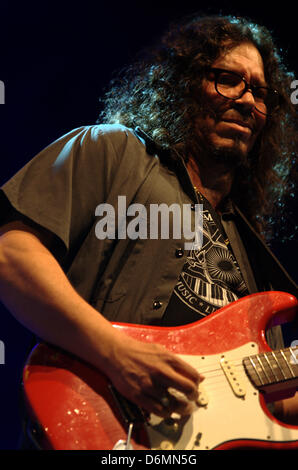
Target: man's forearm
36, 291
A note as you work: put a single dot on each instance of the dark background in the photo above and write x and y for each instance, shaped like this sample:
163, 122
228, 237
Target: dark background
56, 58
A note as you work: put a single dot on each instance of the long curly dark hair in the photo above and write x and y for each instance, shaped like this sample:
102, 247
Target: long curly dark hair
157, 93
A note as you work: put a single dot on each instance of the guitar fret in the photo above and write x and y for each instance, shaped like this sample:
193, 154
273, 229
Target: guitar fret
287, 363
278, 364
294, 356
256, 370
263, 368
271, 368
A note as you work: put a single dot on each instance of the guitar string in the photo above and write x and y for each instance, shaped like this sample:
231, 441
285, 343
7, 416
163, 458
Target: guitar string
217, 377
220, 382
240, 369
233, 362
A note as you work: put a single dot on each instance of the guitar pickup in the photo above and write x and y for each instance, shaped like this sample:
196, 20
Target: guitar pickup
231, 375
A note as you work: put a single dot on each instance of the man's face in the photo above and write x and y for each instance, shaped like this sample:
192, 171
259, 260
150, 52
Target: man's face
233, 126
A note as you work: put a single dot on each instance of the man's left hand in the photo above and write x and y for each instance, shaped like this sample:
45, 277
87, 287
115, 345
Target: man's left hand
287, 410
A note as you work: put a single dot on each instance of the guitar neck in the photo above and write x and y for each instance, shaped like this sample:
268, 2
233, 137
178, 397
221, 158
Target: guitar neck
273, 370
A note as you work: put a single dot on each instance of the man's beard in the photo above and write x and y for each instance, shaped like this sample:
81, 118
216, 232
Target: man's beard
210, 154
231, 158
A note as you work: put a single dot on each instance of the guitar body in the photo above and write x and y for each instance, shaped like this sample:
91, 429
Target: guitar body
75, 409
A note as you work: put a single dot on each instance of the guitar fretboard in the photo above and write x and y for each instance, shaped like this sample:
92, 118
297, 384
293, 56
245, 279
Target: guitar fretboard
272, 367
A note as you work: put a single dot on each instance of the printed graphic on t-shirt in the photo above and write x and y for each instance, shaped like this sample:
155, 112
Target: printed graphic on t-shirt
211, 277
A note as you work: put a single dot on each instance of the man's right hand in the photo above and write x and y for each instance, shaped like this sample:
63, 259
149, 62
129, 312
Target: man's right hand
144, 372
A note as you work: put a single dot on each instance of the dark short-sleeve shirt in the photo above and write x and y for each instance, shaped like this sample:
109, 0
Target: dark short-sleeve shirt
127, 280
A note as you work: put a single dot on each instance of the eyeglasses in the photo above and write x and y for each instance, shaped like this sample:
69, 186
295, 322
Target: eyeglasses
232, 86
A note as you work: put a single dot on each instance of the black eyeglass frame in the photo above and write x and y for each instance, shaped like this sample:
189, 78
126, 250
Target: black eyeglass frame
248, 86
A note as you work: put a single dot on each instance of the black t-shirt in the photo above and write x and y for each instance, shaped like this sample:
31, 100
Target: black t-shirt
211, 277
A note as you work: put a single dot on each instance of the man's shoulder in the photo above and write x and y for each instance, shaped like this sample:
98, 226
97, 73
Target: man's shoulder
114, 132
108, 137
110, 129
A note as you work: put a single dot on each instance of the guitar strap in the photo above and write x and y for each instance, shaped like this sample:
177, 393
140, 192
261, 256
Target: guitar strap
239, 253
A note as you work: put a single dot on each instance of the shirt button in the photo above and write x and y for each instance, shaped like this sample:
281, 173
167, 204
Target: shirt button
179, 253
157, 304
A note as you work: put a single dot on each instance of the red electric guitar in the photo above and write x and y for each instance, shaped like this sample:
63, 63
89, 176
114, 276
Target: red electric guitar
75, 406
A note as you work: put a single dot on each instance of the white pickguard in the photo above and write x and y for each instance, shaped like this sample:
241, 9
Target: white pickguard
225, 417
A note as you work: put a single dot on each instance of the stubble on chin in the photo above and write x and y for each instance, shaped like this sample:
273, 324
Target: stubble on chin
216, 146
230, 157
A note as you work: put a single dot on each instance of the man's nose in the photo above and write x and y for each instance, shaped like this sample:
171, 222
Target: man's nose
247, 100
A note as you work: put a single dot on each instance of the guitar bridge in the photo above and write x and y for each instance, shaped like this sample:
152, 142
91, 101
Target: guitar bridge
130, 412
